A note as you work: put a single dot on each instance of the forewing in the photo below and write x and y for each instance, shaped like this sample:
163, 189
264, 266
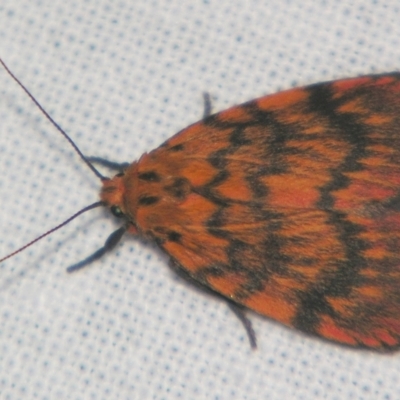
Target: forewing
290, 205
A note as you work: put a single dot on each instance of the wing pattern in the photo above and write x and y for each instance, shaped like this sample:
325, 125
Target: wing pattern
288, 205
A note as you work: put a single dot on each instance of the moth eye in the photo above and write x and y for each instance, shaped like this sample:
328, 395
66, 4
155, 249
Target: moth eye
116, 211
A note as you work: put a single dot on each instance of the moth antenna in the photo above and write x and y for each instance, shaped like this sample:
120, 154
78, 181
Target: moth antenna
58, 127
87, 208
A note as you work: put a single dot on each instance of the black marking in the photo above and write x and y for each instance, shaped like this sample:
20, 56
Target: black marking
222, 176
338, 181
259, 189
273, 144
393, 203
275, 141
177, 147
148, 200
345, 125
313, 304
218, 232
257, 263
237, 138
179, 188
217, 220
217, 158
337, 283
216, 270
334, 284
174, 236
149, 176
207, 191
269, 261
346, 277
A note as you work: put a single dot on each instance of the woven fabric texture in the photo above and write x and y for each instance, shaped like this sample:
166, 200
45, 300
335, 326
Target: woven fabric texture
120, 77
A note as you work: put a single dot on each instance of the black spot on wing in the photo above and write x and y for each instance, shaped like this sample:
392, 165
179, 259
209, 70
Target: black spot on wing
177, 147
174, 236
149, 176
179, 188
148, 200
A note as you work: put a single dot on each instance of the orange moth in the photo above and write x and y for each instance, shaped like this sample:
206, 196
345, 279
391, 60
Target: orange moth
288, 205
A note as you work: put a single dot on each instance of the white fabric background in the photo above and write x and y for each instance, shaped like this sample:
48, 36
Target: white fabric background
121, 77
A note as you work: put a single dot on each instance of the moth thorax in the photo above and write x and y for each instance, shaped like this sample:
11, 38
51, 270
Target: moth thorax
112, 192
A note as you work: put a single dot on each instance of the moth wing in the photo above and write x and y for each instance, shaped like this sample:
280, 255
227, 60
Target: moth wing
290, 205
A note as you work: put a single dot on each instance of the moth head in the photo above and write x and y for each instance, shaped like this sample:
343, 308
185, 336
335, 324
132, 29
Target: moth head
112, 195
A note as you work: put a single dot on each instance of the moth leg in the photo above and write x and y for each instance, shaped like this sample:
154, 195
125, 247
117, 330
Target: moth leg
108, 164
110, 243
240, 312
207, 105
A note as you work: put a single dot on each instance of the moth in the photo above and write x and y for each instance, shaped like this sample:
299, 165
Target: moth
287, 205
